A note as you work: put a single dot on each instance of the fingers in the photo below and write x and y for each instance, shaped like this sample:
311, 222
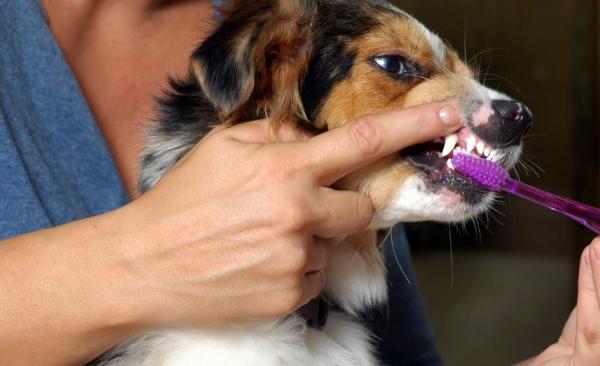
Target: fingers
315, 275
594, 260
263, 132
342, 213
254, 132
318, 255
587, 344
336, 153
313, 284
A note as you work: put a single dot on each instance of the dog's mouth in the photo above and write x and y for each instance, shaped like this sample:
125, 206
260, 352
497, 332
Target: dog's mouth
433, 159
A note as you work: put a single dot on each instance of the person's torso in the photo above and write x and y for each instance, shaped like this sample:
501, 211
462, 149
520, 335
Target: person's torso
54, 164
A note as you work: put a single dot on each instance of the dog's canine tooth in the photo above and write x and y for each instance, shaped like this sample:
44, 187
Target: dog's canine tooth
471, 142
480, 147
450, 165
451, 141
487, 151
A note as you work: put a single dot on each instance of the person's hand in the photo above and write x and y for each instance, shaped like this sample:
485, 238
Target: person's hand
240, 229
579, 344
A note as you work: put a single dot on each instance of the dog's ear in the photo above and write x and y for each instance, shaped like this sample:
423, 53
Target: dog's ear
254, 62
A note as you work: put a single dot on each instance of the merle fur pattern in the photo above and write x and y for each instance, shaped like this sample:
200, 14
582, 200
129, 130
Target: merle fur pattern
186, 114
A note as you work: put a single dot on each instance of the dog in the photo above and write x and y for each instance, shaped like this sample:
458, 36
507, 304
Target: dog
319, 64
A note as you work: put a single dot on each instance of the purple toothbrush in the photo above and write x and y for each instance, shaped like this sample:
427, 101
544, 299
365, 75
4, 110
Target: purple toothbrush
493, 177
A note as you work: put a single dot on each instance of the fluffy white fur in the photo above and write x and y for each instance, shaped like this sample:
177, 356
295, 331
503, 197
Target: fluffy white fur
415, 202
356, 281
287, 342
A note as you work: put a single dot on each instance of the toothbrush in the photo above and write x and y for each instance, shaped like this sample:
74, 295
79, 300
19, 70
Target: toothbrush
493, 177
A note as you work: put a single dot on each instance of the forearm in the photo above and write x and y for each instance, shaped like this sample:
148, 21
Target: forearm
61, 300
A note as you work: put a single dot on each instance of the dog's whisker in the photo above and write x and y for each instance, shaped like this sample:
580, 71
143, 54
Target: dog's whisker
451, 257
479, 54
396, 257
465, 44
357, 252
419, 77
490, 61
528, 160
500, 77
382, 243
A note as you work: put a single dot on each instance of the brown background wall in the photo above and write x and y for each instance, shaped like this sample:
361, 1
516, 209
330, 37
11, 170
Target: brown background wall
512, 286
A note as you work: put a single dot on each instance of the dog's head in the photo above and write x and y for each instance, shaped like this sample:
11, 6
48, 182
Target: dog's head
323, 63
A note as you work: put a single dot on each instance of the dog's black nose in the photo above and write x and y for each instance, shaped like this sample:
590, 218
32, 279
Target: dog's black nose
512, 111
511, 120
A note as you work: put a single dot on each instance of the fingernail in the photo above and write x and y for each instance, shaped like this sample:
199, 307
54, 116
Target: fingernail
450, 116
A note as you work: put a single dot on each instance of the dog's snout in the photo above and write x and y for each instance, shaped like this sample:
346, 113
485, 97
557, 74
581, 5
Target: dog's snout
507, 123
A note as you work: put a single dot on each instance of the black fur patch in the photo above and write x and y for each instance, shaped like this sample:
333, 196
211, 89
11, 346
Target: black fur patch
184, 117
225, 74
331, 61
183, 105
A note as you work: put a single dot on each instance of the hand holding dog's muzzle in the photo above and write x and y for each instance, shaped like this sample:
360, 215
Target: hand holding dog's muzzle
244, 225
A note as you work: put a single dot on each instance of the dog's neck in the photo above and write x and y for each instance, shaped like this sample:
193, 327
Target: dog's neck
356, 273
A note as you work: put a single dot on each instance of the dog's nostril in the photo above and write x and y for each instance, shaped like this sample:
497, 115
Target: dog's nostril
514, 116
512, 111
508, 123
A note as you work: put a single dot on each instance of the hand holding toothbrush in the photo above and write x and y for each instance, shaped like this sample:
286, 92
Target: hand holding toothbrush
579, 344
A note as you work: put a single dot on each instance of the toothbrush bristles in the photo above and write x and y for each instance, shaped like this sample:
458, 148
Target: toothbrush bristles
486, 173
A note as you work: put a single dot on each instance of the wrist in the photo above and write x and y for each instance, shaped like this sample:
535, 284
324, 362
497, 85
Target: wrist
138, 299
127, 303
67, 279
98, 279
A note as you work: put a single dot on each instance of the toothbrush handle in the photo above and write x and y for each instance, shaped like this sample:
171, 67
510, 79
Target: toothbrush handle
586, 215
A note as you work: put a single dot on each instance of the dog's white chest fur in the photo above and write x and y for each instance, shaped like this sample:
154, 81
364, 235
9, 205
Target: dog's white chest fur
355, 282
289, 342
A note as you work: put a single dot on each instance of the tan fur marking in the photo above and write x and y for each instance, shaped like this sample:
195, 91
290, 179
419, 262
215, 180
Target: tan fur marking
369, 90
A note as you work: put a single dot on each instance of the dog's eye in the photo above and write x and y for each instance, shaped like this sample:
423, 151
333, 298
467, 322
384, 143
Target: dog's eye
397, 65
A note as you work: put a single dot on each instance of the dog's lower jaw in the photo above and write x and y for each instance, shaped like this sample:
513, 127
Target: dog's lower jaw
416, 202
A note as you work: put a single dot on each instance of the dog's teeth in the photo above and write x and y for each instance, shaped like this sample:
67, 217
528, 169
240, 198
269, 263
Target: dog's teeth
449, 164
480, 147
471, 142
450, 144
487, 151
